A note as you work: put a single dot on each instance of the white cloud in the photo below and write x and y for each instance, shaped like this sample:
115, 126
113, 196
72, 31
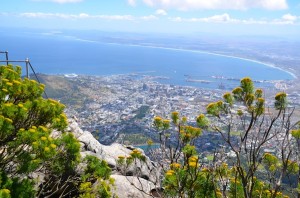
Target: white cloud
218, 4
218, 18
83, 15
87, 16
132, 2
286, 19
289, 17
44, 15
148, 18
225, 18
161, 12
76, 16
176, 19
272, 4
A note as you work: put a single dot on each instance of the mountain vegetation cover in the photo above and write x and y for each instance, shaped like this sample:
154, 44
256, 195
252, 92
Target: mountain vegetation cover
39, 159
34, 161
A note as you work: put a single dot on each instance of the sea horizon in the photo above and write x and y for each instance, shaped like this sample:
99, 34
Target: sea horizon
59, 54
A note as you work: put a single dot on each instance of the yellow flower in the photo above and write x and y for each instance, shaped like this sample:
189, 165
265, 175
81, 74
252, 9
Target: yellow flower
279, 95
9, 84
43, 138
20, 105
175, 165
121, 157
8, 120
166, 121
246, 79
227, 94
193, 159
219, 103
200, 117
192, 164
5, 80
237, 90
150, 142
175, 113
219, 194
4, 90
187, 135
46, 149
157, 118
136, 151
51, 100
5, 191
9, 104
43, 128
211, 105
170, 172
63, 116
260, 100
53, 146
296, 133
16, 82
32, 130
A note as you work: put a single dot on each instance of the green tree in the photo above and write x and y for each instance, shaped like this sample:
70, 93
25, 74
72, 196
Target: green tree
294, 166
185, 175
244, 110
28, 147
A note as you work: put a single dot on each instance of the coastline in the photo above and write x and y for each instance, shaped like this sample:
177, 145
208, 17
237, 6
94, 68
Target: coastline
271, 65
211, 53
292, 75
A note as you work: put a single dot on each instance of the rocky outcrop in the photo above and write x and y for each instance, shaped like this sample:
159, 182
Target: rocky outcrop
136, 179
130, 186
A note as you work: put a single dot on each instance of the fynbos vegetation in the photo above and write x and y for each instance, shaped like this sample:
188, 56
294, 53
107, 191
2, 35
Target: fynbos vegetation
39, 159
245, 166
34, 161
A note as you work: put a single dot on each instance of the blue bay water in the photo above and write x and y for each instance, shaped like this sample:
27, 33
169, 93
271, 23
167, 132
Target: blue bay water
61, 55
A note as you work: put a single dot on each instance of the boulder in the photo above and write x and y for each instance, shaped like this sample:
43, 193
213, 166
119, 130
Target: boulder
91, 146
133, 187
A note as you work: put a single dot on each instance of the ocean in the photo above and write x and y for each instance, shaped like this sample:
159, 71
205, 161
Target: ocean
58, 54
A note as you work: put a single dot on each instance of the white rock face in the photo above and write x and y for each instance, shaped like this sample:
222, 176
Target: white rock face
145, 172
128, 186
73, 127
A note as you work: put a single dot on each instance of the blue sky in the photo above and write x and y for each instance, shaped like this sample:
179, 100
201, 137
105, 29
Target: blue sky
257, 17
